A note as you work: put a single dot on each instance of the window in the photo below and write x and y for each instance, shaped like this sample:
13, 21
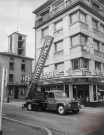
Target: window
59, 67
23, 67
22, 78
59, 46
74, 18
44, 32
23, 61
11, 78
85, 63
103, 48
80, 64
97, 65
46, 70
51, 95
82, 17
83, 40
11, 65
96, 45
19, 37
102, 29
59, 25
75, 40
95, 24
76, 64
11, 59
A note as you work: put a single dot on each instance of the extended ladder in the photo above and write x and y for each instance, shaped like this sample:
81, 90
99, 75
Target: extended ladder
40, 64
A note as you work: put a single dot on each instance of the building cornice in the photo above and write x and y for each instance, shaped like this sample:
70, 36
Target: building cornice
15, 55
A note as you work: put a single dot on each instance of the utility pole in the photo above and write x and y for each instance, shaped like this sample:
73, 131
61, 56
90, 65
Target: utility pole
2, 91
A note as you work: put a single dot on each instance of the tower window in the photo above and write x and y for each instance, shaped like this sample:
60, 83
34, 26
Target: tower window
19, 37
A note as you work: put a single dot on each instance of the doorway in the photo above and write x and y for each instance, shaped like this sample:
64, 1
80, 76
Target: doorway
16, 93
81, 92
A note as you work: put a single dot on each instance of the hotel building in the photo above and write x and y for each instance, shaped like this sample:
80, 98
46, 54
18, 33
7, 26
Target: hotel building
75, 62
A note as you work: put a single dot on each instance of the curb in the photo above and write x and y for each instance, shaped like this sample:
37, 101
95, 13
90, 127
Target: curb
44, 128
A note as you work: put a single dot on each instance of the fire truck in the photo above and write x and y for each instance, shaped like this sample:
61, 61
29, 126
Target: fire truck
56, 100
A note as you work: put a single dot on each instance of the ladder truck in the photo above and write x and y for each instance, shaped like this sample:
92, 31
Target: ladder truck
55, 100
33, 93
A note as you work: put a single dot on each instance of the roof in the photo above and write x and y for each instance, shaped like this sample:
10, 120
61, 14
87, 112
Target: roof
16, 33
15, 55
47, 3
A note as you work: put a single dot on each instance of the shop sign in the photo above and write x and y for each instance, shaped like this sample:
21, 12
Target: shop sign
52, 74
82, 80
27, 78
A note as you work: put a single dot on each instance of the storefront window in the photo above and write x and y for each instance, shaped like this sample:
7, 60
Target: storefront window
22, 92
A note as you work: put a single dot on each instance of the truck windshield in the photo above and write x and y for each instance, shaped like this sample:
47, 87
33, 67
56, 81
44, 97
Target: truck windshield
60, 95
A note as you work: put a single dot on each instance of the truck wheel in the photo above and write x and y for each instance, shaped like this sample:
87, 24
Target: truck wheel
29, 107
75, 111
61, 110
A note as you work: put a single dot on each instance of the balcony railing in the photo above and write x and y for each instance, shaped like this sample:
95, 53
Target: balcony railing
58, 54
63, 6
96, 32
102, 35
58, 32
83, 25
97, 53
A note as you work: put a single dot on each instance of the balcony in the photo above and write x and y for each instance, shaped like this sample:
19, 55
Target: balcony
83, 25
102, 35
97, 53
65, 6
81, 73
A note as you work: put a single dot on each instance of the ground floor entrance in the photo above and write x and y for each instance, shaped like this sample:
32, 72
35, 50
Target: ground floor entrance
17, 92
81, 93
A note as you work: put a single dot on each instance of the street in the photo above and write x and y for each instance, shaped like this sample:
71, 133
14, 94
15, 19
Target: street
69, 124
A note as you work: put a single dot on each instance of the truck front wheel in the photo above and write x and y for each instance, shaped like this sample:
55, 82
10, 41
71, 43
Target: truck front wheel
61, 109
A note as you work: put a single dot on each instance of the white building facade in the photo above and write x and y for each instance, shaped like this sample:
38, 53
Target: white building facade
76, 60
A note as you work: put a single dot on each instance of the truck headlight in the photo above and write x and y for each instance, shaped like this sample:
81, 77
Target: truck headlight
69, 105
78, 104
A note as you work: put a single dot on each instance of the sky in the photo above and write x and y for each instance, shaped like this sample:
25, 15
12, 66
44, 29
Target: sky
9, 18
8, 22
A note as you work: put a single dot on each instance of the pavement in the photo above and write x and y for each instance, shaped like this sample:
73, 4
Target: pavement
6, 130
